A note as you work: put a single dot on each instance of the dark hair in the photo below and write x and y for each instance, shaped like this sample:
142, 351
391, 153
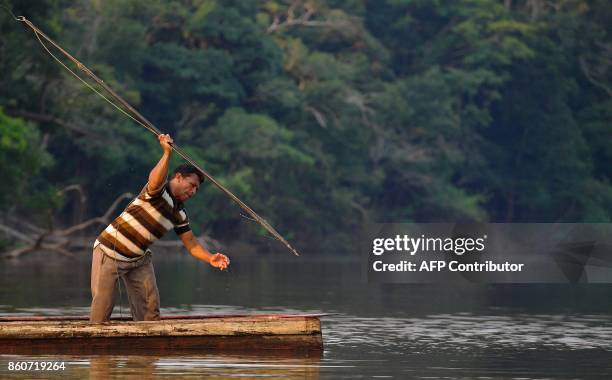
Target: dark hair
186, 169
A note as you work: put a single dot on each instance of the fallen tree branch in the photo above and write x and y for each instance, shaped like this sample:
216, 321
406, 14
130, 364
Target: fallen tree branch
39, 239
27, 225
104, 219
58, 248
16, 234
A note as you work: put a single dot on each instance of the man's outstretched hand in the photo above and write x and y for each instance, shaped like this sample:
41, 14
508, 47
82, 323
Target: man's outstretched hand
219, 260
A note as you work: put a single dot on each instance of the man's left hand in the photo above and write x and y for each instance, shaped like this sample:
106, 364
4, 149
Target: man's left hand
219, 260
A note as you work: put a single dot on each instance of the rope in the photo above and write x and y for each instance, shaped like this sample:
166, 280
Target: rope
138, 118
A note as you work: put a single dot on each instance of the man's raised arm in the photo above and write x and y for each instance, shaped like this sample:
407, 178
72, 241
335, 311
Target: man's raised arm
157, 177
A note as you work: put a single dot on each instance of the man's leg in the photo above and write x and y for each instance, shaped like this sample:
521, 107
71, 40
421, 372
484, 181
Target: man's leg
142, 291
104, 274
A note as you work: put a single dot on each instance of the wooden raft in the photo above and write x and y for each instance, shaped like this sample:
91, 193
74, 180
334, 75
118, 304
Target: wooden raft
75, 335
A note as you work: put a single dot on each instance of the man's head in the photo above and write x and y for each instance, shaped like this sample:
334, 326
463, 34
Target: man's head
185, 182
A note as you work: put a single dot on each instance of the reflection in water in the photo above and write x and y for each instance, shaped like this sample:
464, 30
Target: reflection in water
105, 367
202, 365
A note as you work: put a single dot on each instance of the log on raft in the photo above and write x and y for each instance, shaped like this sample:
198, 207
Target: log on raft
227, 333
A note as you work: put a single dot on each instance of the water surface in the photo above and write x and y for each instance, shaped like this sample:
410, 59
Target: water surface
372, 331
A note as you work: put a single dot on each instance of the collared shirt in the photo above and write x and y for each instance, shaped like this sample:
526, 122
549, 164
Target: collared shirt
147, 218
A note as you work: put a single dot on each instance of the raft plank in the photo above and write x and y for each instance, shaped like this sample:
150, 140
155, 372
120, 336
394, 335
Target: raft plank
243, 333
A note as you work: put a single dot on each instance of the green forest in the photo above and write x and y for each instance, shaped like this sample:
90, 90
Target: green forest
323, 116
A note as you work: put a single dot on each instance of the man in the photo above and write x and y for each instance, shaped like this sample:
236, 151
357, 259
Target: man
121, 250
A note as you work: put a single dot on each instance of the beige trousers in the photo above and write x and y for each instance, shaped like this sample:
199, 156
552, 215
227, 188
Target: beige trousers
140, 285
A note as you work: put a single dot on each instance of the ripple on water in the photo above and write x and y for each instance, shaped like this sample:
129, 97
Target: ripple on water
453, 332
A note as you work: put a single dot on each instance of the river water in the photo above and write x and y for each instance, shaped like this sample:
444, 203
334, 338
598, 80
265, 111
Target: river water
371, 330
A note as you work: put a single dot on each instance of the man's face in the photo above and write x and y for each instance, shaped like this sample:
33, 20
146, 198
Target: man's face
184, 186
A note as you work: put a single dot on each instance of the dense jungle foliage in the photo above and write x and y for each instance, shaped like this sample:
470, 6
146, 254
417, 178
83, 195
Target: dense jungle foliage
321, 115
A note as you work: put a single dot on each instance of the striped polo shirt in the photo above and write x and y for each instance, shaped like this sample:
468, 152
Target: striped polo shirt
147, 218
